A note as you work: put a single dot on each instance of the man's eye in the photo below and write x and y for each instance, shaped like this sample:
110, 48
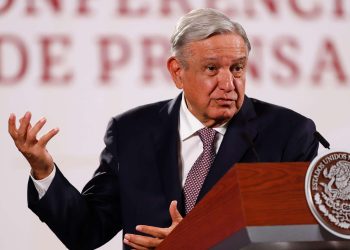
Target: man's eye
211, 68
237, 68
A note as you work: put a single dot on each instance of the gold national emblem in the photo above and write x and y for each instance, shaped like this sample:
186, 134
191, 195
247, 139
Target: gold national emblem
327, 189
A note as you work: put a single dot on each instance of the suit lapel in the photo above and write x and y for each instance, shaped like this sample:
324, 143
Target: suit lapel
234, 145
166, 149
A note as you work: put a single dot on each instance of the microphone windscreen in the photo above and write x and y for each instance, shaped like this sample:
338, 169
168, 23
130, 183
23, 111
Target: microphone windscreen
322, 140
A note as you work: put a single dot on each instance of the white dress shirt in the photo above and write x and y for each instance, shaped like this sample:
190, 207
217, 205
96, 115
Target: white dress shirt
43, 185
191, 147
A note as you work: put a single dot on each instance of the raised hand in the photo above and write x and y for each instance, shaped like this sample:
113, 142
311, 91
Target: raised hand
33, 149
157, 234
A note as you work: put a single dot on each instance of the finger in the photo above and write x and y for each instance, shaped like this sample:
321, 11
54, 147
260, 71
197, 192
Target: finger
134, 246
157, 232
31, 135
22, 130
142, 241
174, 213
47, 137
12, 126
29, 127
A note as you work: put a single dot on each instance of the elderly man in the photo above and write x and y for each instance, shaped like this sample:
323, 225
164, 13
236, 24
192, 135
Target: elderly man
170, 152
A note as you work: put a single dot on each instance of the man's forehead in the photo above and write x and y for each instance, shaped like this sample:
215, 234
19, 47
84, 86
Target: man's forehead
228, 58
226, 38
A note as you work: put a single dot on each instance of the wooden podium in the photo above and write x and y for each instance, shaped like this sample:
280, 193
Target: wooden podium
254, 206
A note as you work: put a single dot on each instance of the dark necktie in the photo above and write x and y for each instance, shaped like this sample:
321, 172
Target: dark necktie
200, 168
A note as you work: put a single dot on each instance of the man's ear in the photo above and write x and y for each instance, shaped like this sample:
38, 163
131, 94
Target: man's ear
175, 69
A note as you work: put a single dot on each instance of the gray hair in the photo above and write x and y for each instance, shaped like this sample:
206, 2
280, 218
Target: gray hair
201, 24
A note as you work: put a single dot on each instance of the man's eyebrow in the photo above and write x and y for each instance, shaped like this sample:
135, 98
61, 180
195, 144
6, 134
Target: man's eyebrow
244, 58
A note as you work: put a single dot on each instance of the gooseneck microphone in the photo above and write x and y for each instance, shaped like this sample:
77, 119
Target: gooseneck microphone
252, 146
321, 140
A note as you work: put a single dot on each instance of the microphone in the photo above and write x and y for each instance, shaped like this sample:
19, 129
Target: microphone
252, 146
321, 140
247, 138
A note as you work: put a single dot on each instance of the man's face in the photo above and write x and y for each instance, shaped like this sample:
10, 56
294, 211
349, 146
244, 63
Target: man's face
213, 80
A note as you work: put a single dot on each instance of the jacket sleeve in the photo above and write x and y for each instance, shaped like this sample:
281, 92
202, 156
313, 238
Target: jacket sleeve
89, 219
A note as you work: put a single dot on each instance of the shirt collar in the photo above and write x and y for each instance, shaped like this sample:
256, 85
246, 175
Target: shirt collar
189, 124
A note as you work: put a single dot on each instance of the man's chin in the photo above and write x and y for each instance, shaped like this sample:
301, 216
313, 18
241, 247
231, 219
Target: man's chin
226, 113
223, 117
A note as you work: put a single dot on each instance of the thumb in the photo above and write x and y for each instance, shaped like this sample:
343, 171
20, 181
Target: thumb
176, 217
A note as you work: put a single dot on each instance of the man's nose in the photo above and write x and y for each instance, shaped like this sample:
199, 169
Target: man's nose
226, 80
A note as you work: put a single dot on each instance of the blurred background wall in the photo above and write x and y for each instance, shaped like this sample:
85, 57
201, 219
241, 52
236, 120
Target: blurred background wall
78, 63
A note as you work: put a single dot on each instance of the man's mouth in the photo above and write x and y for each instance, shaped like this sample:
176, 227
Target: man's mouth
224, 101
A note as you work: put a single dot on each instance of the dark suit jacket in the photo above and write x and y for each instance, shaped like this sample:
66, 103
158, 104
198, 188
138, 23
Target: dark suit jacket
139, 175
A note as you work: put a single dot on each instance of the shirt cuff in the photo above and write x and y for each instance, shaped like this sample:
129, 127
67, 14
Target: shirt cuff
43, 185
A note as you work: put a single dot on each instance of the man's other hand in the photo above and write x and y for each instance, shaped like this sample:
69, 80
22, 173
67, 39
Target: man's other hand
157, 234
33, 150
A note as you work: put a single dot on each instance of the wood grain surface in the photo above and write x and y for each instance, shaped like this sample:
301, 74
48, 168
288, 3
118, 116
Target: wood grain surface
250, 194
